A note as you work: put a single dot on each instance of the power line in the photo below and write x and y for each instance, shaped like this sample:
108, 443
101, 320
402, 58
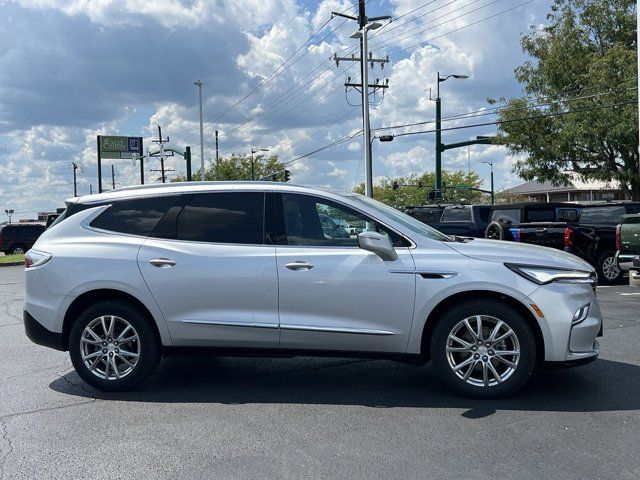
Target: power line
512, 120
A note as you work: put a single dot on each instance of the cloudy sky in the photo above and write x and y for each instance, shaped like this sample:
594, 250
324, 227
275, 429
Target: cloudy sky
73, 69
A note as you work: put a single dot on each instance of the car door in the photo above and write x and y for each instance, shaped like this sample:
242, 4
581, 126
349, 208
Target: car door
332, 294
212, 274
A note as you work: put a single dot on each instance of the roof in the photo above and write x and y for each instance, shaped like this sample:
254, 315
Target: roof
190, 187
575, 183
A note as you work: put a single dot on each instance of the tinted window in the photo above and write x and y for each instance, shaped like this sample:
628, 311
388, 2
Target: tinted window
541, 215
456, 215
427, 215
567, 215
223, 218
136, 216
303, 222
604, 215
506, 215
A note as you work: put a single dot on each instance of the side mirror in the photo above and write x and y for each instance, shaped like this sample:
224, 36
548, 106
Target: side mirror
378, 244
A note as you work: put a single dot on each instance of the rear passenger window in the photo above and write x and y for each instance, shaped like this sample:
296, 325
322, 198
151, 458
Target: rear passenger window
136, 216
223, 218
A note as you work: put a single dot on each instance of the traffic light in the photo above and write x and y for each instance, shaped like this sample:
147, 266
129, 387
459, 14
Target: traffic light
395, 185
420, 185
431, 195
287, 175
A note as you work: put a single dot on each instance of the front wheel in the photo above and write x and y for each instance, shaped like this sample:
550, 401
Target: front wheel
483, 349
113, 347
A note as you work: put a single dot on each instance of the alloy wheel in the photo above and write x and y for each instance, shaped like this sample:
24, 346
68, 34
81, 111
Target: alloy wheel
110, 347
483, 351
610, 268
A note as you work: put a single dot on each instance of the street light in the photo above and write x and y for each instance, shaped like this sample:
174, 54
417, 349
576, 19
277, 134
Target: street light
199, 84
438, 183
493, 199
9, 213
255, 150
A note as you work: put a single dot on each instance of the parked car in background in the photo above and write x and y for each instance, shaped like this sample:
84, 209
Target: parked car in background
628, 242
463, 220
17, 238
331, 228
246, 267
585, 230
355, 228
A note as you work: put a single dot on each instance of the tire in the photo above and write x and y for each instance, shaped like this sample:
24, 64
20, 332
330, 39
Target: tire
608, 270
496, 231
445, 359
130, 369
18, 249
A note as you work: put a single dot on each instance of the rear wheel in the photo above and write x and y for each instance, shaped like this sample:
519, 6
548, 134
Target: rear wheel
608, 269
483, 349
18, 250
113, 347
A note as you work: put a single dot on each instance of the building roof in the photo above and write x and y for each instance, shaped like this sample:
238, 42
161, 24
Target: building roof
575, 183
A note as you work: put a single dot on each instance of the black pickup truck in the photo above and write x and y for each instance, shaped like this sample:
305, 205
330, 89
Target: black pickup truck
460, 220
591, 236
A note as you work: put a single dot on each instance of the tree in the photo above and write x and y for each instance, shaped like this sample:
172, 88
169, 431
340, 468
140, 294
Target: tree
583, 60
238, 167
409, 193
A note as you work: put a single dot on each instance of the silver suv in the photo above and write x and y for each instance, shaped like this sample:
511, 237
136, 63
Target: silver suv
124, 277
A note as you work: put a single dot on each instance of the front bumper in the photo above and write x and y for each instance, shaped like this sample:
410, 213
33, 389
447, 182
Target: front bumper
564, 341
626, 261
40, 335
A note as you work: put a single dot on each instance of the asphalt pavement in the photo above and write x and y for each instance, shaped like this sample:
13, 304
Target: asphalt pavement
206, 417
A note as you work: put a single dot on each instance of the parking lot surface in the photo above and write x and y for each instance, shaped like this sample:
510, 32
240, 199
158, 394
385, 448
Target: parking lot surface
207, 417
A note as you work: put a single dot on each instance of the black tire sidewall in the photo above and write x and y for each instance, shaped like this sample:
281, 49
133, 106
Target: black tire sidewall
601, 278
501, 229
149, 345
503, 312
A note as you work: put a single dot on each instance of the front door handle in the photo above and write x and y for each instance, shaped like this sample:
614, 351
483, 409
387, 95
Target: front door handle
162, 262
299, 265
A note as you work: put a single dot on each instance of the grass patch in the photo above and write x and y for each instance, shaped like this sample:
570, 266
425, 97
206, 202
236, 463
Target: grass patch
11, 258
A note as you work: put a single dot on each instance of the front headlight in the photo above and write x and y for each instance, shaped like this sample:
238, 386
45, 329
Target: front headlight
543, 275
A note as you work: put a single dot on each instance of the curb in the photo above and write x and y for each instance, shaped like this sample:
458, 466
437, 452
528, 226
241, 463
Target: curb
11, 264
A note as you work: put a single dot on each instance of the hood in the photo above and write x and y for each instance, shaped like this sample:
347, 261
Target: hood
514, 252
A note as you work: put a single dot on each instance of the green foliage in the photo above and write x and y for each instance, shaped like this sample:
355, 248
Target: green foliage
238, 167
409, 194
587, 49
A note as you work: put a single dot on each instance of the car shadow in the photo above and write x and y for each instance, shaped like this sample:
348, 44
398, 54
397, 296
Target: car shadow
604, 385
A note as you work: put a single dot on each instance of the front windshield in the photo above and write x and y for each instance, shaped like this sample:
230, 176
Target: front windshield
403, 219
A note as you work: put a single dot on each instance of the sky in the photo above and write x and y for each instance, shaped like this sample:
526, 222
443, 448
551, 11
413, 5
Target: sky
74, 69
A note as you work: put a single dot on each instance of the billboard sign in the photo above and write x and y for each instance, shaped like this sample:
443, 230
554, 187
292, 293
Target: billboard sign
119, 147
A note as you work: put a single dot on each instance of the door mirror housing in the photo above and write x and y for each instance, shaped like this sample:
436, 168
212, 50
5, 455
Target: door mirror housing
377, 243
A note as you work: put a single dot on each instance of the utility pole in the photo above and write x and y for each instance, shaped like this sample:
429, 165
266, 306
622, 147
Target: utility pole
255, 150
199, 84
90, 189
216, 145
365, 24
113, 177
439, 149
75, 183
161, 141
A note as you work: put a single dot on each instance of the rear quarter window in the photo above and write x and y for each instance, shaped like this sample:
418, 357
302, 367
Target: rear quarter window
540, 215
137, 216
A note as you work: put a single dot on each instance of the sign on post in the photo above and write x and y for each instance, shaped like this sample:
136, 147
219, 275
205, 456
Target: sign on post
116, 147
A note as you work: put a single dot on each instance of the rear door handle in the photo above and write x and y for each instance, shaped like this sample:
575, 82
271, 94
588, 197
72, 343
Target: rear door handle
162, 262
299, 265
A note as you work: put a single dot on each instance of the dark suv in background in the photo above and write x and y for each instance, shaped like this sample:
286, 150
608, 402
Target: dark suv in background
587, 230
17, 238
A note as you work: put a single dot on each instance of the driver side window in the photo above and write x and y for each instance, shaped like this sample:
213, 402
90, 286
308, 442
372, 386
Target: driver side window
314, 221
